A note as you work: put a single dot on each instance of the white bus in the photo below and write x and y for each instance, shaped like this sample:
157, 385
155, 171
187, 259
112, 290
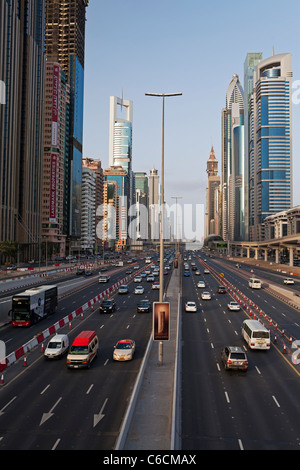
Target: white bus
254, 283
256, 335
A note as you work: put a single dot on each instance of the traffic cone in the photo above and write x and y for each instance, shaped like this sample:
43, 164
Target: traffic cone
275, 339
284, 349
70, 326
42, 348
25, 361
2, 380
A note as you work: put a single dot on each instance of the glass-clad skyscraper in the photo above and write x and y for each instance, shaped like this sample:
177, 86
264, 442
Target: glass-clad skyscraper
22, 75
251, 61
270, 183
233, 162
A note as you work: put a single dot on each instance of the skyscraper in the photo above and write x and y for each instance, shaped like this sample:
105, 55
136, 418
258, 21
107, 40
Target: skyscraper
154, 209
65, 40
270, 184
251, 61
56, 128
141, 200
95, 165
120, 139
212, 196
120, 182
22, 63
233, 162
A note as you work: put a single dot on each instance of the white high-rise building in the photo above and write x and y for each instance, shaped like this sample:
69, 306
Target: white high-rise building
154, 201
120, 139
88, 216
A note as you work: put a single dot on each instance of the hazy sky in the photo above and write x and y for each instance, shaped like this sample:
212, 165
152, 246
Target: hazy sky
191, 46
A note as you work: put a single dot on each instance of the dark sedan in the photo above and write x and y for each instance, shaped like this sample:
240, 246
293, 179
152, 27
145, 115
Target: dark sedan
107, 306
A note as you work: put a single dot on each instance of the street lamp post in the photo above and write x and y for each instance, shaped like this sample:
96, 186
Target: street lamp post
161, 273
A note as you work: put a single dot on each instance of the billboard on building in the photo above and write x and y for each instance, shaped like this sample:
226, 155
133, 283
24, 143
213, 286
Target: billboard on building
53, 188
55, 100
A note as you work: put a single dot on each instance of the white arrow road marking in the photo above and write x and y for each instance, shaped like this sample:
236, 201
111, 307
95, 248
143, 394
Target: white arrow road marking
2, 410
49, 414
98, 417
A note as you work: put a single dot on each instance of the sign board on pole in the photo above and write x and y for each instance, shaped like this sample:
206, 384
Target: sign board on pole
161, 321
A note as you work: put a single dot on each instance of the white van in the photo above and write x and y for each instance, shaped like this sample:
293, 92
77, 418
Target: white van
57, 347
83, 350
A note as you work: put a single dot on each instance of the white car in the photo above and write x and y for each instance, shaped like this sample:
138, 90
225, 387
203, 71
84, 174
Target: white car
138, 279
288, 280
201, 284
190, 307
206, 271
155, 285
139, 290
205, 296
234, 306
124, 350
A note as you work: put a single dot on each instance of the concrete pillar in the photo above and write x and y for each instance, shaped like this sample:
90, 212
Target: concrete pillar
248, 252
256, 253
277, 255
291, 252
266, 254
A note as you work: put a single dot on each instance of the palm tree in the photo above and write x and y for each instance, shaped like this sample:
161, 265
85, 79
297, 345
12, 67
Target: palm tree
9, 249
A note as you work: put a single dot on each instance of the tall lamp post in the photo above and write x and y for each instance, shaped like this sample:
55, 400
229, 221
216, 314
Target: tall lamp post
162, 201
162, 188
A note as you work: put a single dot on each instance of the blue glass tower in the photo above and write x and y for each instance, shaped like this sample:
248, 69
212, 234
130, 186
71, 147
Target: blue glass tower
270, 182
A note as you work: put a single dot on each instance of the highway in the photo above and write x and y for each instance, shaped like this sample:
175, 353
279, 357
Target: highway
234, 410
45, 406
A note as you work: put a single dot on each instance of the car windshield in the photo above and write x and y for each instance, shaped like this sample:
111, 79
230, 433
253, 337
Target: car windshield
123, 346
107, 303
79, 350
54, 345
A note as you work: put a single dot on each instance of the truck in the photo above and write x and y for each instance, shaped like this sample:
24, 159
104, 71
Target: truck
33, 305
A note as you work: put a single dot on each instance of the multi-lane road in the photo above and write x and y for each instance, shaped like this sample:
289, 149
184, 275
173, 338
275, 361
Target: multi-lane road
231, 409
44, 405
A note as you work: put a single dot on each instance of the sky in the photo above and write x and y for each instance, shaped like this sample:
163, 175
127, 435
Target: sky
188, 46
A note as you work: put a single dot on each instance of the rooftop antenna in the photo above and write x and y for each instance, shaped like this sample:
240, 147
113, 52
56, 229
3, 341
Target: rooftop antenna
272, 50
121, 98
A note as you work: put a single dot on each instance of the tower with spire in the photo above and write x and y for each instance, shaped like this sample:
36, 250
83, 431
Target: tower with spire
213, 200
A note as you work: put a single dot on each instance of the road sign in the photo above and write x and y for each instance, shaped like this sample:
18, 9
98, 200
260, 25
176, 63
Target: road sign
161, 321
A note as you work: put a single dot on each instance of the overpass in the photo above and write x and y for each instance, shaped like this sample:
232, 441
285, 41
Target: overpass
267, 247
